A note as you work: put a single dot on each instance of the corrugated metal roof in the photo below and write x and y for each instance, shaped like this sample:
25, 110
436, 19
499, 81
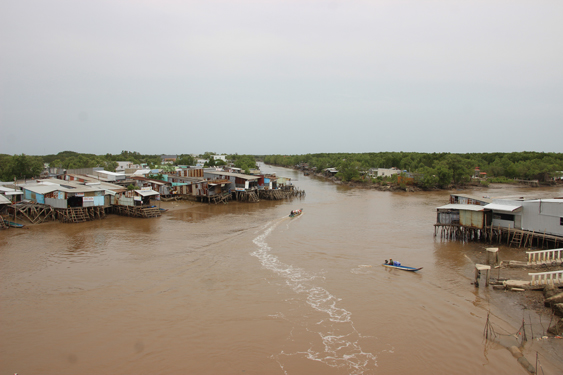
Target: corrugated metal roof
4, 200
42, 189
48, 186
141, 172
188, 179
502, 207
474, 197
111, 173
239, 175
466, 207
553, 200
147, 193
18, 192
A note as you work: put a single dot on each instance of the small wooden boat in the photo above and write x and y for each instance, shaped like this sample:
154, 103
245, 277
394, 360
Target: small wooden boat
296, 213
404, 268
13, 225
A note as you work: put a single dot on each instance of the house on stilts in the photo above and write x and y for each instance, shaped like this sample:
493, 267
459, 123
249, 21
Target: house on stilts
514, 221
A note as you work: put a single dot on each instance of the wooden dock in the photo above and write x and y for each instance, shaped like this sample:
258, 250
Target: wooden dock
3, 224
35, 213
80, 214
280, 194
136, 211
246, 196
217, 198
510, 236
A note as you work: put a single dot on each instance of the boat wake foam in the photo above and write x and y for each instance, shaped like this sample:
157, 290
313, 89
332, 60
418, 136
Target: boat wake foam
339, 345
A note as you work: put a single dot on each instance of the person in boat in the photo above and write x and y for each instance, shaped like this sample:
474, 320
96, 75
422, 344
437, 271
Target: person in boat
391, 263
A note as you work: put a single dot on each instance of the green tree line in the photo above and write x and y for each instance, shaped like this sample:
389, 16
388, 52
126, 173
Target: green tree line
429, 169
433, 169
27, 166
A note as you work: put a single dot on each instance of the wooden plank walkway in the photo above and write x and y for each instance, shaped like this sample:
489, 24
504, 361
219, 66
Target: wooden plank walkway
541, 257
135, 211
546, 278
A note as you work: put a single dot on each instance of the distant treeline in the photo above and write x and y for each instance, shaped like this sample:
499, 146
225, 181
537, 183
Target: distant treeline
435, 169
27, 166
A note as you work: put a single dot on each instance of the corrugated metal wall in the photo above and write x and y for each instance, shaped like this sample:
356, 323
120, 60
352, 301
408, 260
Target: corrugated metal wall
552, 208
56, 203
547, 221
98, 201
123, 201
473, 219
191, 172
450, 217
503, 223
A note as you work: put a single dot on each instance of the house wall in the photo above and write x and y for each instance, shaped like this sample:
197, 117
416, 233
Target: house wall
503, 223
538, 216
466, 200
93, 201
182, 189
122, 201
200, 189
473, 219
385, 172
56, 203
448, 217
34, 197
191, 172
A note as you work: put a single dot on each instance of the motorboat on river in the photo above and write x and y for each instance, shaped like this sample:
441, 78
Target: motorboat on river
296, 212
399, 266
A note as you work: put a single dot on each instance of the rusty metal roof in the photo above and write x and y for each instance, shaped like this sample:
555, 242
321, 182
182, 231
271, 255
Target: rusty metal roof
239, 175
465, 207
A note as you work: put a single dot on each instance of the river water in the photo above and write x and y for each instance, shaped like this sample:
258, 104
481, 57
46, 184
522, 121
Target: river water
244, 289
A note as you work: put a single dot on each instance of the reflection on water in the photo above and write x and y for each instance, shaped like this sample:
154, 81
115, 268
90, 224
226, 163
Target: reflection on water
241, 288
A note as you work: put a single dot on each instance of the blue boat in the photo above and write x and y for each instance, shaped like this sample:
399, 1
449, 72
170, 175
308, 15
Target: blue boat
404, 268
13, 225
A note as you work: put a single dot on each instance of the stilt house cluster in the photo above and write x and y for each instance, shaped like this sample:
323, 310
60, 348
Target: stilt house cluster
515, 221
92, 194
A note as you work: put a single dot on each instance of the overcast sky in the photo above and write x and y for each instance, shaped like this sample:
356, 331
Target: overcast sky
280, 77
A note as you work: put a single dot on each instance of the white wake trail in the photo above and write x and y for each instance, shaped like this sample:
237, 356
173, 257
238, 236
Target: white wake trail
338, 336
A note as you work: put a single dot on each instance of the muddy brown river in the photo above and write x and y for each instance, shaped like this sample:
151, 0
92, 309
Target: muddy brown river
244, 289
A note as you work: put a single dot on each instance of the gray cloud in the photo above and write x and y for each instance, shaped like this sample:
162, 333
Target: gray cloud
280, 76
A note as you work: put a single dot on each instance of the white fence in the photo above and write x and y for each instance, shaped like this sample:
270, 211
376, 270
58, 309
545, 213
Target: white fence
544, 256
545, 278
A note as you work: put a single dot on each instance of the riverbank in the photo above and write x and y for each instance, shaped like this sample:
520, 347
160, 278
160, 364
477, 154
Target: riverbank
540, 324
391, 186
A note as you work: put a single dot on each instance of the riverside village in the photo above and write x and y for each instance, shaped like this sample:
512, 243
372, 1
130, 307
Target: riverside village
78, 195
